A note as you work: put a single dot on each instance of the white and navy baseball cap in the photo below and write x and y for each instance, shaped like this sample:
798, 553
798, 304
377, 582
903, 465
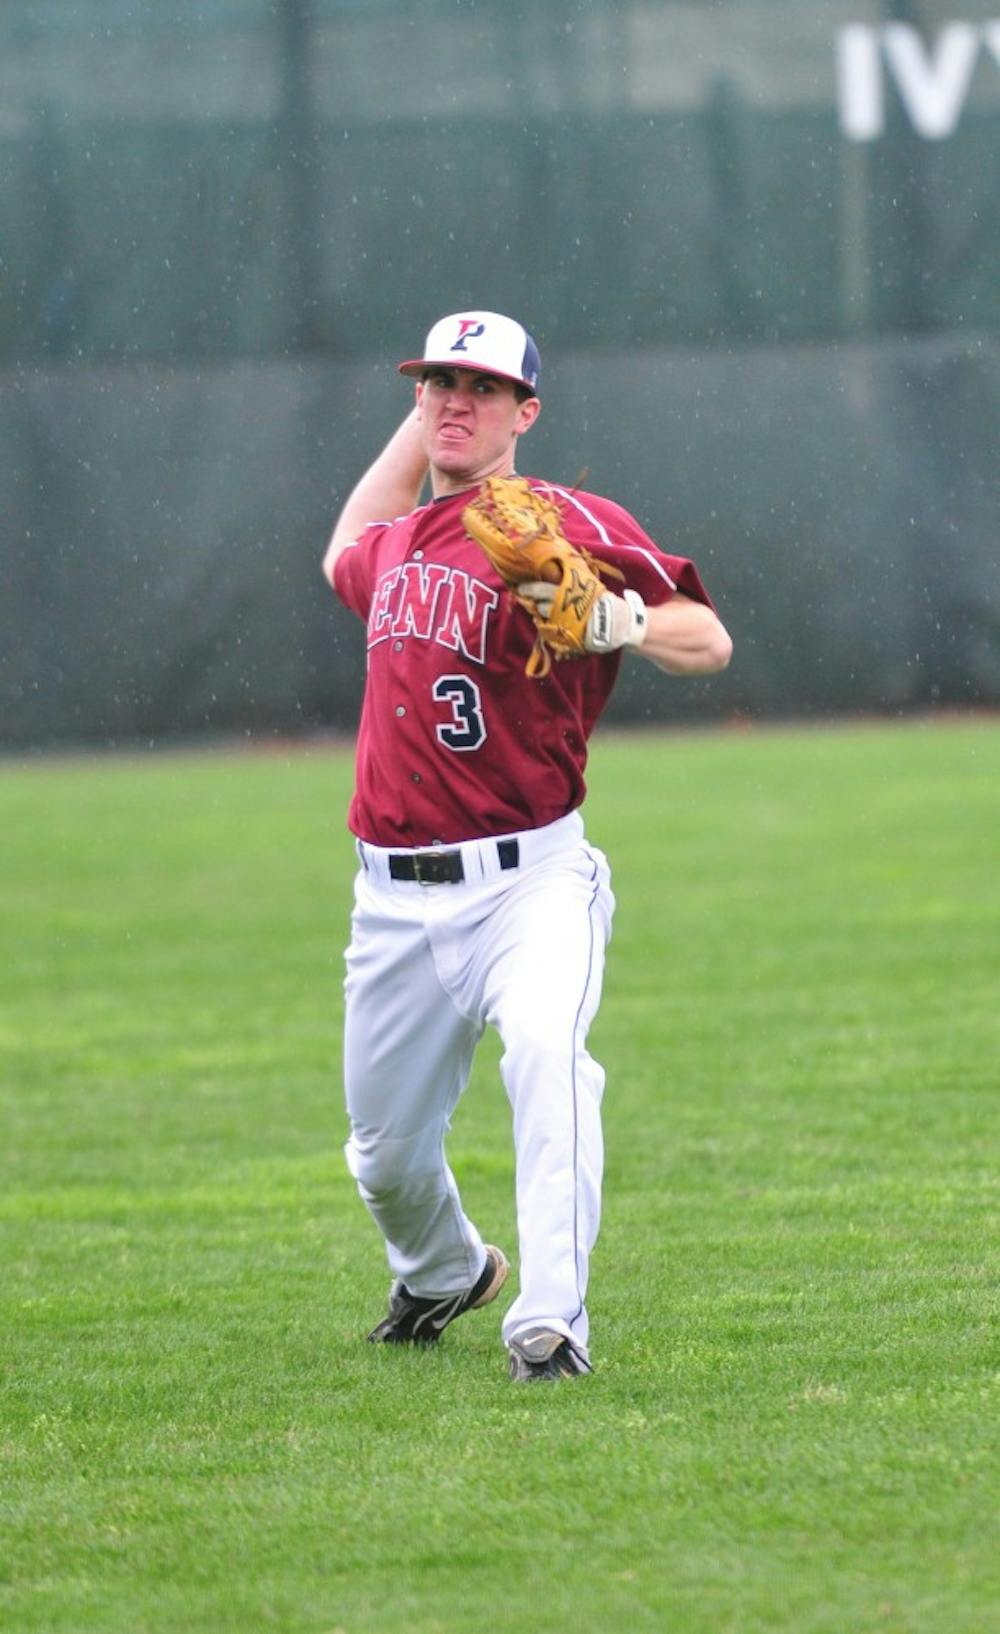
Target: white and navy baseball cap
486, 341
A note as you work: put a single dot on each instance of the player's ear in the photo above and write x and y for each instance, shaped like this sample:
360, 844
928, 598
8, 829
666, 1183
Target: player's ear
527, 414
419, 394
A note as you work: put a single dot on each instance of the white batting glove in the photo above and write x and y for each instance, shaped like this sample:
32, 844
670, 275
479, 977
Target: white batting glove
615, 621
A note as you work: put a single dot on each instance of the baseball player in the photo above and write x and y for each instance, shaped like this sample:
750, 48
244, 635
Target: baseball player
479, 899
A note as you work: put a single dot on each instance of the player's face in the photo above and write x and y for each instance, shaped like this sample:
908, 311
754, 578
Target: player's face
470, 423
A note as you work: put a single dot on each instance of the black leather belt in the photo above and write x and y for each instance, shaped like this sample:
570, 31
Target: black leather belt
440, 867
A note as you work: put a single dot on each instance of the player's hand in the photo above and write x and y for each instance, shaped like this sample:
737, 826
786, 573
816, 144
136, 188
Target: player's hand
615, 621
543, 595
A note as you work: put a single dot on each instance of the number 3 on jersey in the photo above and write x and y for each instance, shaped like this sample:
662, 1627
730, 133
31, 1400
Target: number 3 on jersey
467, 728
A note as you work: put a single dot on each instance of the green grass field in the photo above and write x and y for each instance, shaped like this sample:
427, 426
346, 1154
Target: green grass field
792, 1426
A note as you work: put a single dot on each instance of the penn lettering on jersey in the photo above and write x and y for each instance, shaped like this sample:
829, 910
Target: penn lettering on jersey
433, 602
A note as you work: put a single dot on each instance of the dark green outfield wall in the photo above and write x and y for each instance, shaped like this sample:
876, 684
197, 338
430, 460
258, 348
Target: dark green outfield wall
758, 243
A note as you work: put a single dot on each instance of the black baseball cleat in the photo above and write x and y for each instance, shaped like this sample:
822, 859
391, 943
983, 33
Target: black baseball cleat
415, 1321
541, 1354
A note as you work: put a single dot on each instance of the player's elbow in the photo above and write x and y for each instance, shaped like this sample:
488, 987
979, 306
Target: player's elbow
706, 653
687, 638
718, 650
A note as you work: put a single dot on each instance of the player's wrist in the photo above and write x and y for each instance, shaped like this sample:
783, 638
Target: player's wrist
617, 621
639, 623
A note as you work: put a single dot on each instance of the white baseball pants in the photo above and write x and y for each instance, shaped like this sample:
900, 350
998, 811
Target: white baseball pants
428, 967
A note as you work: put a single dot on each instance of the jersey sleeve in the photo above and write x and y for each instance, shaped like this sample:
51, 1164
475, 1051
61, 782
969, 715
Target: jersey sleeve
611, 534
352, 571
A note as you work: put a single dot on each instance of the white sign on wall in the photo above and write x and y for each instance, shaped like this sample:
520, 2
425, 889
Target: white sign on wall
932, 78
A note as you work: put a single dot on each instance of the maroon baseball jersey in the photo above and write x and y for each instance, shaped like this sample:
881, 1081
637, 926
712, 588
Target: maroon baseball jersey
456, 742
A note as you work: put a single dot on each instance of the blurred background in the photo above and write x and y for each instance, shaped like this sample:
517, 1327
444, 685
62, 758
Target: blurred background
758, 242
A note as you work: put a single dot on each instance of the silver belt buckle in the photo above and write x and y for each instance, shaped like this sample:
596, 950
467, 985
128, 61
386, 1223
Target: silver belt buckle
438, 867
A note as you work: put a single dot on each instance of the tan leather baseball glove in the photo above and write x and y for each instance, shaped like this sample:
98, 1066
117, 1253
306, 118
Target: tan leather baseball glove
558, 583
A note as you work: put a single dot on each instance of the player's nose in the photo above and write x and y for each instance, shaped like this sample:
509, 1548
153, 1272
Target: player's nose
459, 395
